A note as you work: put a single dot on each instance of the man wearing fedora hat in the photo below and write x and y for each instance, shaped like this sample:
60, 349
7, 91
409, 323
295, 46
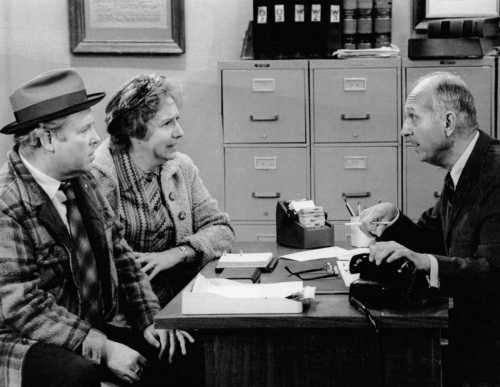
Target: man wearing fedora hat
63, 261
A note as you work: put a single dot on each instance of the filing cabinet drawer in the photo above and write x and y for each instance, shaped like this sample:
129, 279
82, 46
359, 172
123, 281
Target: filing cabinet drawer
257, 177
365, 174
255, 232
355, 105
424, 183
263, 106
480, 81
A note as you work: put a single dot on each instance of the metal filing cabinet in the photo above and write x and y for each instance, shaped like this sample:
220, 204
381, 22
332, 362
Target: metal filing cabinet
355, 120
265, 117
422, 182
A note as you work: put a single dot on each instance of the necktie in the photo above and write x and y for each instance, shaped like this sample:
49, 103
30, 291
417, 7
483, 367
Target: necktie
87, 273
449, 190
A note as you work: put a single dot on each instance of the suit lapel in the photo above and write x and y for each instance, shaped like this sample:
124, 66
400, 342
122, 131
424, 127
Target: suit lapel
51, 220
466, 191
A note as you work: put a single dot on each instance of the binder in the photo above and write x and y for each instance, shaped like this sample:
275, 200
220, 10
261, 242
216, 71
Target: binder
281, 13
316, 20
298, 28
334, 31
262, 29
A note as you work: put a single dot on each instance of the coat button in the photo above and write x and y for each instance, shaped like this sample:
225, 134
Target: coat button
171, 196
182, 215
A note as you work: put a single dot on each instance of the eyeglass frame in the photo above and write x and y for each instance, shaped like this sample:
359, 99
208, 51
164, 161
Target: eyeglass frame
330, 269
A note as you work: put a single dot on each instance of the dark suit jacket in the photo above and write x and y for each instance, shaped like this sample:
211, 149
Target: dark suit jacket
466, 244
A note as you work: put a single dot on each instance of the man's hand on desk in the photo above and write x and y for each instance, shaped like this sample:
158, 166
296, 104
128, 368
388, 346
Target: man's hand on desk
391, 251
375, 219
160, 338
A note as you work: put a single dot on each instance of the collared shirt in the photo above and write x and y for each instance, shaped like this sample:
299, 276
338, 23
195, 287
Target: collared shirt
50, 186
458, 167
143, 211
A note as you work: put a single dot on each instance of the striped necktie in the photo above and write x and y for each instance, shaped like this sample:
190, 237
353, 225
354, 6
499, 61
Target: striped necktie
87, 274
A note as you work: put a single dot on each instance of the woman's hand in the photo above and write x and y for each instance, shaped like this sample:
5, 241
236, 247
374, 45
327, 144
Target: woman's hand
153, 263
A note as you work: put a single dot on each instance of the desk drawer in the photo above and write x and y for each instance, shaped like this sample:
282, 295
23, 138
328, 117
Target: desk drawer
355, 105
365, 174
255, 232
261, 106
257, 177
424, 183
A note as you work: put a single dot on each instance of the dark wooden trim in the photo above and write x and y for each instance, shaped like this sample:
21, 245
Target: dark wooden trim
80, 45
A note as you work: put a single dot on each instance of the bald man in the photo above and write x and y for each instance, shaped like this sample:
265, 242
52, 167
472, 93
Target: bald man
457, 242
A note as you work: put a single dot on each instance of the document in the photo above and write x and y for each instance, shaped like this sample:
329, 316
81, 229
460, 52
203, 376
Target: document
309, 255
346, 275
326, 252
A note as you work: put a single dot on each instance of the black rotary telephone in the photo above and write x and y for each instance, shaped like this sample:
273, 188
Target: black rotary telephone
397, 284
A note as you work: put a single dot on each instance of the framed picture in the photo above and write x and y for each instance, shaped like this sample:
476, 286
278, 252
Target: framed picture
126, 26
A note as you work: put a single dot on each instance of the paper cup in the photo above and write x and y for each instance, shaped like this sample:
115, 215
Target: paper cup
357, 237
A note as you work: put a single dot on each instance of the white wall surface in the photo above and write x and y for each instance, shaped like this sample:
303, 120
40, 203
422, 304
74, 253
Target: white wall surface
34, 37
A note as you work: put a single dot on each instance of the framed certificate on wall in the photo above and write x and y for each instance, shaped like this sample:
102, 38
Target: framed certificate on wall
126, 26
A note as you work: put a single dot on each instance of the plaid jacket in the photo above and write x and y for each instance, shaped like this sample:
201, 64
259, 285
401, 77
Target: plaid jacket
39, 300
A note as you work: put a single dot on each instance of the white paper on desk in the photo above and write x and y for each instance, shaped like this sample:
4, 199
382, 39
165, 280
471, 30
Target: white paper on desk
234, 289
346, 275
250, 258
349, 253
309, 255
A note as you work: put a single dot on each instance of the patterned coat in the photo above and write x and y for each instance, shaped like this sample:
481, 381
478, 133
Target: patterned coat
197, 219
39, 300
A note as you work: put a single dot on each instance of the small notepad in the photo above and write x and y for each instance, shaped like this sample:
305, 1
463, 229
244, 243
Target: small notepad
259, 260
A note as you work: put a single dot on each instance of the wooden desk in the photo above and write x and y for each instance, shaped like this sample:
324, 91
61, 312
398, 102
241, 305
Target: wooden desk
330, 344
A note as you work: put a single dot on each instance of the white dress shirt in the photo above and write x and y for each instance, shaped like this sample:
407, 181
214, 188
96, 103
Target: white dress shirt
51, 188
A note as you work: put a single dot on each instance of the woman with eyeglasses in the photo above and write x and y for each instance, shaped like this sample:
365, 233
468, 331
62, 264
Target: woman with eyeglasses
169, 217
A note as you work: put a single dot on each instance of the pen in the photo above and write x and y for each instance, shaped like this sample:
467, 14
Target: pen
377, 223
349, 208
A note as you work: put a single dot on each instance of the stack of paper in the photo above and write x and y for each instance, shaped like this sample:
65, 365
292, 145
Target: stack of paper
381, 52
257, 260
223, 296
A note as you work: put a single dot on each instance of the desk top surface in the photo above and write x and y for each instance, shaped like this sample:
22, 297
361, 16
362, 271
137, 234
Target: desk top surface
328, 310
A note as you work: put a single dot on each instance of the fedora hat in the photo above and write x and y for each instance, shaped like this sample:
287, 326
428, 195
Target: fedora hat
51, 95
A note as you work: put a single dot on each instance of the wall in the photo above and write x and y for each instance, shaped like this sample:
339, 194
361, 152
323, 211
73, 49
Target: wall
34, 37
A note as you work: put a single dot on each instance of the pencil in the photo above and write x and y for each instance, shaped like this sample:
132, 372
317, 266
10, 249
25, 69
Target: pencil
349, 208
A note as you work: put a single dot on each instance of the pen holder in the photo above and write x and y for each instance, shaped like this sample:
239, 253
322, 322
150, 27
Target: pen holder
289, 232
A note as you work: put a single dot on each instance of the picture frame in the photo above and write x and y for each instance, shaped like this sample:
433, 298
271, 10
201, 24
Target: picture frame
120, 27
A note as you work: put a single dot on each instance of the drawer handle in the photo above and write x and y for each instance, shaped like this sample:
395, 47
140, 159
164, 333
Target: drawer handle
437, 194
266, 195
355, 117
352, 195
264, 118
266, 237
